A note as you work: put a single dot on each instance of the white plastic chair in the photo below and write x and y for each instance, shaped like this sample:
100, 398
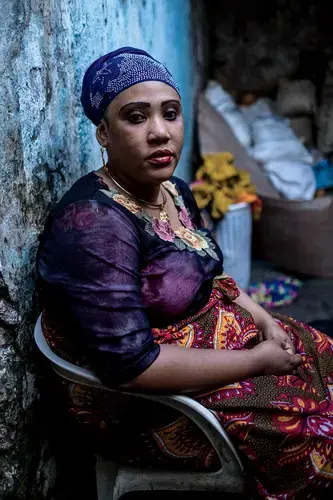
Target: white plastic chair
115, 480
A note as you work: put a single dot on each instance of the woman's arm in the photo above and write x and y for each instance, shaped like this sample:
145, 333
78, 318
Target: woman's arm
269, 328
181, 370
260, 315
91, 259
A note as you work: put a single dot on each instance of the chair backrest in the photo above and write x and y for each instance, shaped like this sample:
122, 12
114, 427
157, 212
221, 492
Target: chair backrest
62, 367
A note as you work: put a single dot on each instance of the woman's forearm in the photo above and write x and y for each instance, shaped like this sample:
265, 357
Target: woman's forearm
178, 369
181, 370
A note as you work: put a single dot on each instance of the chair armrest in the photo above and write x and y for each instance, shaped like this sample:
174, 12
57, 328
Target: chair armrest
209, 425
201, 416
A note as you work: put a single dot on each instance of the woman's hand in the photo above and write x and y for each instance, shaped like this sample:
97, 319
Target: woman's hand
268, 328
274, 359
271, 330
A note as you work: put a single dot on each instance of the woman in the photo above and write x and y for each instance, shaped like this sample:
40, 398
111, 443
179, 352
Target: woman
130, 277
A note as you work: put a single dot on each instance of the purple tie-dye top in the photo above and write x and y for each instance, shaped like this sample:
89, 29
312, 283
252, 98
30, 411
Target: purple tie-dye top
109, 272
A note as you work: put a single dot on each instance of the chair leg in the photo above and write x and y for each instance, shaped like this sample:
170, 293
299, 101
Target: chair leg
106, 475
132, 479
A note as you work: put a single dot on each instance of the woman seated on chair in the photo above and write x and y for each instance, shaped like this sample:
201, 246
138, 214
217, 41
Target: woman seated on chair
133, 286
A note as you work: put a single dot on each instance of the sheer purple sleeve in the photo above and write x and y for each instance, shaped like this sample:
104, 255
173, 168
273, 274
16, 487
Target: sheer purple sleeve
92, 256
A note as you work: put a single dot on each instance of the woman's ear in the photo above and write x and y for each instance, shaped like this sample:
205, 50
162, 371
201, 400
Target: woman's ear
102, 133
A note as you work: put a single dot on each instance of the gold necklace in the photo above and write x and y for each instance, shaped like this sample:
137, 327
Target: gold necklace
160, 206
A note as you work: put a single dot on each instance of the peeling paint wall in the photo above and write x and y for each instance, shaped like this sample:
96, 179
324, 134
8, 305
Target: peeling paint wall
46, 145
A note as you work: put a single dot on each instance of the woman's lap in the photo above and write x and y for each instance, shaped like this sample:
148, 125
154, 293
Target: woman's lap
282, 425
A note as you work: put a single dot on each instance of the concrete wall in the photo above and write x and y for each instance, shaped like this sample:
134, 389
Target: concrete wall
46, 146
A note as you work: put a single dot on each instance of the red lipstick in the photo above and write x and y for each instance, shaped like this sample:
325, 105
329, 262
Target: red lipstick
161, 157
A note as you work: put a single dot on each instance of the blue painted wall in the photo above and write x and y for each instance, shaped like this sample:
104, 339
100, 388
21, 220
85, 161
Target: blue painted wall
47, 144
162, 27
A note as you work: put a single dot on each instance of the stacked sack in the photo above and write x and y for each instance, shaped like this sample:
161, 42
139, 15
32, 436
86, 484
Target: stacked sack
270, 140
225, 105
281, 154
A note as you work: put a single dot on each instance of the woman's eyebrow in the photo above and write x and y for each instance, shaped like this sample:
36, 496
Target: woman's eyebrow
171, 101
145, 105
138, 104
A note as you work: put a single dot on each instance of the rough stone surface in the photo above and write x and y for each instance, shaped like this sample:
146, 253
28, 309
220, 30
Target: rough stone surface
46, 146
8, 314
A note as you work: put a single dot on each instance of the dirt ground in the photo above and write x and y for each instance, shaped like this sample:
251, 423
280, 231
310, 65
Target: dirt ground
315, 301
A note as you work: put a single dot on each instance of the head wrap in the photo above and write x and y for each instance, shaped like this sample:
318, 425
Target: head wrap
115, 72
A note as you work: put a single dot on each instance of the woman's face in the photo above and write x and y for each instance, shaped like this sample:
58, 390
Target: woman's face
143, 132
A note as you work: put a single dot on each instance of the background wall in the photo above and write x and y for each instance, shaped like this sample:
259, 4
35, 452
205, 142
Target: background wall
254, 44
46, 145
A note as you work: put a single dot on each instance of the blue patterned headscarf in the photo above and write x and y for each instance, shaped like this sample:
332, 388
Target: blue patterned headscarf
109, 75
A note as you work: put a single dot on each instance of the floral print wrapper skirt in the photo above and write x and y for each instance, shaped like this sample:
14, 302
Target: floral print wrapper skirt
282, 426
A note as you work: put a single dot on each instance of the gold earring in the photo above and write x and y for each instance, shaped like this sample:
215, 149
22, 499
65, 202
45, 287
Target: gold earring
103, 157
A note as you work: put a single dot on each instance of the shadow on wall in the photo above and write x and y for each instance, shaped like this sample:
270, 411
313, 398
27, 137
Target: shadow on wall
47, 145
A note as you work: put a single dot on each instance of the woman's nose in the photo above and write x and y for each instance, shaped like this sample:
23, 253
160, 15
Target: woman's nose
158, 131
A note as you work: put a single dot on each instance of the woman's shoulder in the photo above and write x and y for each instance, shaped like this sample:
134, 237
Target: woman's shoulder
85, 205
89, 193
84, 189
90, 224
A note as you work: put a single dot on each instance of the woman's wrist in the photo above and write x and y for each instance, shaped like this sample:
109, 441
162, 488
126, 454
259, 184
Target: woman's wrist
256, 362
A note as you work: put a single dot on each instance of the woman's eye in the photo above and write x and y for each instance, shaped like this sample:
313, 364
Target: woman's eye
171, 114
136, 117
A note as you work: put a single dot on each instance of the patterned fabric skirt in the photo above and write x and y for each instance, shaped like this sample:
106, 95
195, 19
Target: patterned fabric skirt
282, 426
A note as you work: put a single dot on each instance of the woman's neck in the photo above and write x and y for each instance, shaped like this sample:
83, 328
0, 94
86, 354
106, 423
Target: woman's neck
150, 193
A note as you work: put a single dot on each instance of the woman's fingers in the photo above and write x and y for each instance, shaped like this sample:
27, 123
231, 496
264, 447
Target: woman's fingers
288, 346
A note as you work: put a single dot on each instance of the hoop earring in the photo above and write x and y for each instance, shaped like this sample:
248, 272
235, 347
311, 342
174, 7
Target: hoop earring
103, 157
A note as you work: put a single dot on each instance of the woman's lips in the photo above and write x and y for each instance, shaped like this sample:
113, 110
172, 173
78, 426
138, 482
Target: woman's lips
161, 157
161, 160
